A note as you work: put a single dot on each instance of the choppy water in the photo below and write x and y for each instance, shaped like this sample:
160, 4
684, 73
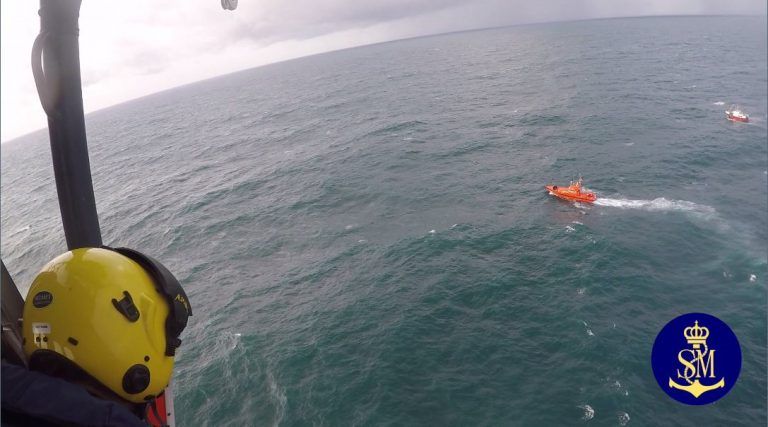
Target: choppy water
366, 239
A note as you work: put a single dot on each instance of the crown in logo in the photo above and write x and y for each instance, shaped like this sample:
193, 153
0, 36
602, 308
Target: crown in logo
696, 335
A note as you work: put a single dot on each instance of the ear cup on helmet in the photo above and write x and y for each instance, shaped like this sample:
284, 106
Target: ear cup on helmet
171, 288
136, 379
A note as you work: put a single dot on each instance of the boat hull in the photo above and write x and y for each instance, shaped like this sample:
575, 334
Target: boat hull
567, 194
738, 119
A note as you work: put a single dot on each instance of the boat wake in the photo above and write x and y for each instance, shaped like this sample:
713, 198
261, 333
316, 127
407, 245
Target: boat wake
659, 205
277, 396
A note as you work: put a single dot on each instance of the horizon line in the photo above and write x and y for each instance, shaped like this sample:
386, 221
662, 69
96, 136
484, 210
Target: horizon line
496, 27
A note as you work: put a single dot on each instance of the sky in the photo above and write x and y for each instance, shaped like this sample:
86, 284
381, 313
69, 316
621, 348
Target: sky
129, 49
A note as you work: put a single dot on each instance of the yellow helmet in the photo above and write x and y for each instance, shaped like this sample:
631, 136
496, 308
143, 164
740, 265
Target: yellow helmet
109, 315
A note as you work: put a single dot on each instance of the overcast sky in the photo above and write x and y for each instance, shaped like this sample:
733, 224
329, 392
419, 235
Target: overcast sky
129, 49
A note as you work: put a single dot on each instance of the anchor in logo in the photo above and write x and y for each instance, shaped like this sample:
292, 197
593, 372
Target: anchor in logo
698, 363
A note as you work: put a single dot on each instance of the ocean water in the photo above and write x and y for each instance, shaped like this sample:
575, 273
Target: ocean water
365, 237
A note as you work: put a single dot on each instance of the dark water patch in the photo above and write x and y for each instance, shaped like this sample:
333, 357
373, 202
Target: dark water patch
394, 128
542, 120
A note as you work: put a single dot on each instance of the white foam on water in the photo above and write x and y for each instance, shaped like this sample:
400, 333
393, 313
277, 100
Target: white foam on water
719, 103
589, 331
233, 340
623, 418
657, 205
569, 229
616, 386
19, 231
581, 291
277, 395
577, 222
227, 343
589, 413
432, 231
753, 278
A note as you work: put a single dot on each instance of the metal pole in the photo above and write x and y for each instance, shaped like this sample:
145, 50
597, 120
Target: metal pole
61, 93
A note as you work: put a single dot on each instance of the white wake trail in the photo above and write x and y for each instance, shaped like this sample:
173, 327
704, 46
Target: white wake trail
659, 205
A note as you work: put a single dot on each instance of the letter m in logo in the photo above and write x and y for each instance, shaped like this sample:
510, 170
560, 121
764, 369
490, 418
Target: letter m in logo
706, 363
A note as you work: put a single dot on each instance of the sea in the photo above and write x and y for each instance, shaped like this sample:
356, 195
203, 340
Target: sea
366, 239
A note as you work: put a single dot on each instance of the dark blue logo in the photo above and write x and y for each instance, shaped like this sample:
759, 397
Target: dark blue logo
42, 299
696, 359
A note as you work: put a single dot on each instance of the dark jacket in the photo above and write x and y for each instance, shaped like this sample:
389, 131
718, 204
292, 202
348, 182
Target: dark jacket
34, 399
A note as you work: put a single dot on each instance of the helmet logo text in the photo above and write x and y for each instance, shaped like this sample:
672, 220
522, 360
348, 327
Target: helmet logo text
42, 299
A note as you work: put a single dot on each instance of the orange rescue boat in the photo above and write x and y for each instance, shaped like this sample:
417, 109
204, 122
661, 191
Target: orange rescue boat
572, 192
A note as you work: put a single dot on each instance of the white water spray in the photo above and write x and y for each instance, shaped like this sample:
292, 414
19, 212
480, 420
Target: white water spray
659, 205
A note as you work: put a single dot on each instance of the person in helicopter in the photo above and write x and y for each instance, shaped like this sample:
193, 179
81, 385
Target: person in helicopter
576, 186
101, 373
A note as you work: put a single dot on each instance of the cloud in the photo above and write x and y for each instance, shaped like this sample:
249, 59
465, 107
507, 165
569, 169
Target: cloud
302, 19
131, 49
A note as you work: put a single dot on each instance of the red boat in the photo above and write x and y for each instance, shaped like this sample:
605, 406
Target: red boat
734, 114
572, 192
